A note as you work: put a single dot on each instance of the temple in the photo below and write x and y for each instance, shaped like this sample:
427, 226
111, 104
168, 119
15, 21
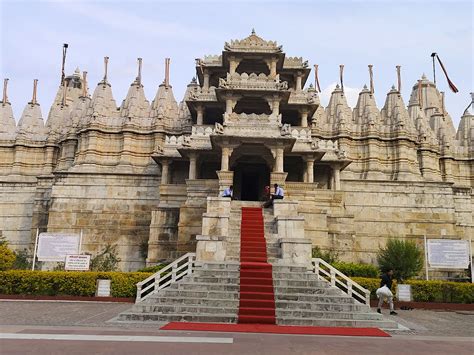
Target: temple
147, 176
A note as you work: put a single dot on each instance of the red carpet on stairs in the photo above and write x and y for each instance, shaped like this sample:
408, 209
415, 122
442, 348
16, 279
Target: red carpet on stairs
257, 301
275, 329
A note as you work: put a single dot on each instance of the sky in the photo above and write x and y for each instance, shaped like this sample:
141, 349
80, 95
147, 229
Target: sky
328, 33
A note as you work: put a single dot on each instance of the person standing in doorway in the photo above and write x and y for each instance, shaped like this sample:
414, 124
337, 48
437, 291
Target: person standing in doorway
385, 291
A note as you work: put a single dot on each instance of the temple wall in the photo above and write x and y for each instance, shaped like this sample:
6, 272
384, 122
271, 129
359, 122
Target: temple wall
110, 209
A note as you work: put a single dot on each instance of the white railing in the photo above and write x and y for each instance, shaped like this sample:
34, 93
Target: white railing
337, 279
166, 276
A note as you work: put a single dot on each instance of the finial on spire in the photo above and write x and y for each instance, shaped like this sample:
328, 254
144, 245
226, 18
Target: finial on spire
35, 87
5, 97
341, 74
84, 84
399, 78
106, 64
371, 75
253, 31
139, 76
316, 78
365, 87
167, 72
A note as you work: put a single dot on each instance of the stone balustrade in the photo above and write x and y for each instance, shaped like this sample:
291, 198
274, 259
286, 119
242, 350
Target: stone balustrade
251, 118
301, 133
303, 98
202, 130
252, 81
295, 63
200, 94
325, 144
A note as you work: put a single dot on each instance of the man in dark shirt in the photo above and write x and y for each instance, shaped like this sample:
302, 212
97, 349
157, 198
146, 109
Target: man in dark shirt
386, 280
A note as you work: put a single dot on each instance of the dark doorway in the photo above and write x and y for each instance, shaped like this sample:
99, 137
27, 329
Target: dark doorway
250, 179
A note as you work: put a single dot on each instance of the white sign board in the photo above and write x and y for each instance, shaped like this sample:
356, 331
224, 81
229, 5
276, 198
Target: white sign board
55, 246
102, 288
448, 253
404, 292
77, 262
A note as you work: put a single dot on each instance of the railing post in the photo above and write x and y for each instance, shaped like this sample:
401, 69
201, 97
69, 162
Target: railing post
367, 297
333, 277
173, 272
349, 288
316, 268
139, 292
190, 265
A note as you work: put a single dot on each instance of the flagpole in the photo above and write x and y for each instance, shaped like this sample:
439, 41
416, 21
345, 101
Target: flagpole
34, 252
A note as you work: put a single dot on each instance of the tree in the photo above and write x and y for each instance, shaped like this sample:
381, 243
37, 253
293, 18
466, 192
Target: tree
107, 260
403, 256
330, 256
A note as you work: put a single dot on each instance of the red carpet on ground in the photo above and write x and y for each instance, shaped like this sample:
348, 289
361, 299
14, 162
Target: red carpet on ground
275, 329
257, 301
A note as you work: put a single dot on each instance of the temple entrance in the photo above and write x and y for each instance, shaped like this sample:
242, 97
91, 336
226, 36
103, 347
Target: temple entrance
250, 179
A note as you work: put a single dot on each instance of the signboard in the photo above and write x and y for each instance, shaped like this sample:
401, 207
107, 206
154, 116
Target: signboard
102, 288
404, 292
448, 254
77, 262
55, 246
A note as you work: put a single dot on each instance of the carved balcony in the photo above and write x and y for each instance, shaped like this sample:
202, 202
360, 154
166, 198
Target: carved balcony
252, 81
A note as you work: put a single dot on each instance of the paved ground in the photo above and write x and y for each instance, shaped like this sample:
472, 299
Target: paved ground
28, 327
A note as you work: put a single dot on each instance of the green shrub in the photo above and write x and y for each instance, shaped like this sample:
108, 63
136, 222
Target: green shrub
358, 270
7, 257
442, 291
403, 256
329, 256
70, 283
153, 269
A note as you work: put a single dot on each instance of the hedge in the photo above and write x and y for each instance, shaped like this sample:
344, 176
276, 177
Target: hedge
359, 270
76, 283
70, 283
427, 291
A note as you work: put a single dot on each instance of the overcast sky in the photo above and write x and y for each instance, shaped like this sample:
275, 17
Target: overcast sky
328, 33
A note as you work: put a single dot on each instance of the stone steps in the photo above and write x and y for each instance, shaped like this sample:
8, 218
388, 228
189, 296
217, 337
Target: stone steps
160, 318
327, 322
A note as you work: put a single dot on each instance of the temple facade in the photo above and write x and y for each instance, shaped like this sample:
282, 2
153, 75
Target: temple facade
139, 175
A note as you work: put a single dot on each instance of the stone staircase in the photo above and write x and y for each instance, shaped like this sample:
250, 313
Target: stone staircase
211, 294
233, 240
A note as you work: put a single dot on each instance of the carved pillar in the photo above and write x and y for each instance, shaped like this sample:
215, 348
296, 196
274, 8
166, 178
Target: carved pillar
226, 152
298, 81
276, 108
309, 171
336, 178
192, 166
233, 64
278, 167
273, 67
200, 115
205, 85
304, 118
165, 171
229, 103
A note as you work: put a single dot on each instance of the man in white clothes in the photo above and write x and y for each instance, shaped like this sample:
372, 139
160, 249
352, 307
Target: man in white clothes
278, 195
228, 192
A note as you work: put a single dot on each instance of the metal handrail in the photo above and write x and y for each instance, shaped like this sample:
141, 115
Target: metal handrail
166, 276
341, 281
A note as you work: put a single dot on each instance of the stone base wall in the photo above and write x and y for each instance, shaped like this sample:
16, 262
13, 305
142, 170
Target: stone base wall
110, 209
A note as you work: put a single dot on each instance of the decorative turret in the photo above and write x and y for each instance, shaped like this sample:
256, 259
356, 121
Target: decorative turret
394, 112
135, 108
164, 105
465, 134
365, 112
338, 112
7, 121
184, 115
31, 125
103, 105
